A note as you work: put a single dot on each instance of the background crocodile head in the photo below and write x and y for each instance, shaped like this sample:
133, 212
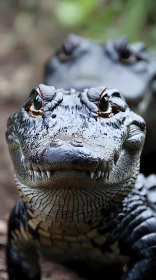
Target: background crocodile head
75, 139
82, 63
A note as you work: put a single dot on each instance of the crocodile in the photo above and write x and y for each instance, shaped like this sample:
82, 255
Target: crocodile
76, 157
117, 63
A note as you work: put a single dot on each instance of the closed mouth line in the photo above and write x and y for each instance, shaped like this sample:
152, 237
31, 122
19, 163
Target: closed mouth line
46, 174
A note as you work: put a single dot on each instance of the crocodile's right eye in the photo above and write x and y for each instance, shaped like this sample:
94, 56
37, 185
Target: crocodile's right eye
104, 103
104, 108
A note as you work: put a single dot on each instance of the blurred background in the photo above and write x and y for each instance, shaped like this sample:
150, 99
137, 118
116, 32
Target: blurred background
30, 32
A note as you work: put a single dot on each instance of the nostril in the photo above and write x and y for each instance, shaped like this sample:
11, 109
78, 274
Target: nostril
116, 157
56, 143
77, 143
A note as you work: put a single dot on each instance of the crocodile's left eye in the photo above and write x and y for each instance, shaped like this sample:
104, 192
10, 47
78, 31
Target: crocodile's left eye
37, 102
104, 108
34, 104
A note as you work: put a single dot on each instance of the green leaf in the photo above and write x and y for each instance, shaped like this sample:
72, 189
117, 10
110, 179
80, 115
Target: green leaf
70, 13
134, 17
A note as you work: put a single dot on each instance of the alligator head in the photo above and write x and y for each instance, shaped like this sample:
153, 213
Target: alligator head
88, 139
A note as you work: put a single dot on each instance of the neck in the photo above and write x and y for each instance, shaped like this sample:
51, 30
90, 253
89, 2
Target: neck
74, 206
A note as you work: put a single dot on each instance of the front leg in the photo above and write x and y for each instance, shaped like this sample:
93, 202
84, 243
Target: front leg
145, 269
138, 238
22, 259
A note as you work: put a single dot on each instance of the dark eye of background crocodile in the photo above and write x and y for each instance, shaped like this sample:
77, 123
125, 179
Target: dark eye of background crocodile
37, 102
68, 48
65, 53
104, 104
125, 54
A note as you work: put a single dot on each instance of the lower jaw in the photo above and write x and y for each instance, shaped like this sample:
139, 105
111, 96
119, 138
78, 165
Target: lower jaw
67, 203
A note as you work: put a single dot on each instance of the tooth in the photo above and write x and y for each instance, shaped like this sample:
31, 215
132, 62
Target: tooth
35, 173
38, 174
92, 175
103, 173
42, 173
99, 174
48, 174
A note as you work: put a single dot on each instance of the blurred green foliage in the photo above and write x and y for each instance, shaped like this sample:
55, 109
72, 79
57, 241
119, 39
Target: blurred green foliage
98, 19
110, 18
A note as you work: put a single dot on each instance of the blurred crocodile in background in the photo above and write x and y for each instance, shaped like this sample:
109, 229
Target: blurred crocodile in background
82, 63
76, 157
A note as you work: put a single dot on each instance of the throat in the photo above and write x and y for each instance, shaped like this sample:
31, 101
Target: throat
72, 206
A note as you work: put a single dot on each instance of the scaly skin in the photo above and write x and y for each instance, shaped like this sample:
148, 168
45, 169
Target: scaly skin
76, 158
127, 67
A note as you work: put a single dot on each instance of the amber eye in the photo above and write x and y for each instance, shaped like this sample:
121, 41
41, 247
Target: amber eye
104, 104
37, 102
104, 108
35, 105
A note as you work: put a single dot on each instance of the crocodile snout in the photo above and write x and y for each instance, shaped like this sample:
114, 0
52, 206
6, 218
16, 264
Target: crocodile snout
71, 163
75, 155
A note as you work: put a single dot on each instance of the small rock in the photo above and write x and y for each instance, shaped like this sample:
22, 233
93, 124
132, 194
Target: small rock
3, 227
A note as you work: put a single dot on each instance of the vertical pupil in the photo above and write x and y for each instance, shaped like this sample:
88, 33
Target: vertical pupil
38, 102
103, 106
